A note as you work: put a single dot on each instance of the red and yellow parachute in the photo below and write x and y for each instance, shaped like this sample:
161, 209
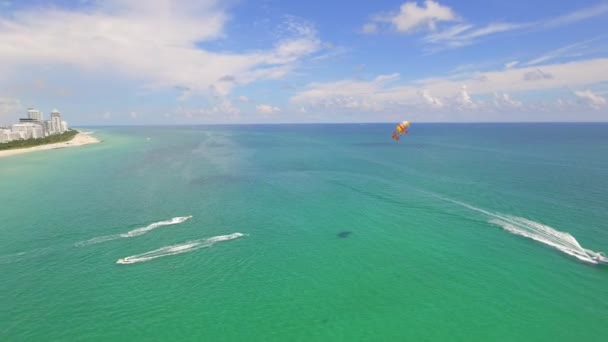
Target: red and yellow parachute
400, 129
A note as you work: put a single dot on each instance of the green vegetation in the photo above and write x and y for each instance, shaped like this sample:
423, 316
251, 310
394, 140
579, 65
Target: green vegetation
65, 136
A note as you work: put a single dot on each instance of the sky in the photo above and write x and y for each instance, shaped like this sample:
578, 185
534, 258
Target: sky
141, 62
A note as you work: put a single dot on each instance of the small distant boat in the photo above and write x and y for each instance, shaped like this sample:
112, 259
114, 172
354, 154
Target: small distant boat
148, 139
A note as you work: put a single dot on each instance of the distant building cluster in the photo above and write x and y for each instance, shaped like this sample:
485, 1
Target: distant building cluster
34, 127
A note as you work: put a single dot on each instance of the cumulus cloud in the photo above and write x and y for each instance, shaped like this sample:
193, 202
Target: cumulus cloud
385, 93
156, 42
267, 109
504, 100
590, 98
225, 106
463, 99
221, 110
430, 100
412, 17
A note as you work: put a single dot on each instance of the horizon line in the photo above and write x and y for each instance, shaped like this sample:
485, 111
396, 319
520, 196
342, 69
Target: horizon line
340, 123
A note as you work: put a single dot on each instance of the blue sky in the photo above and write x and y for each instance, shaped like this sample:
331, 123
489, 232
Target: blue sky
105, 62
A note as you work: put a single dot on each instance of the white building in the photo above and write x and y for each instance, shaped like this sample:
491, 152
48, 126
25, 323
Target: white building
29, 130
5, 135
47, 127
56, 122
17, 136
64, 126
34, 114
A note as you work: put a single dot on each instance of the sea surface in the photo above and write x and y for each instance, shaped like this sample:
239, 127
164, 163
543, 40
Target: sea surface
457, 232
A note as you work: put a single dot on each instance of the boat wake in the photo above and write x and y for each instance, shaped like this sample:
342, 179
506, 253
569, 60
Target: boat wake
547, 235
135, 232
177, 249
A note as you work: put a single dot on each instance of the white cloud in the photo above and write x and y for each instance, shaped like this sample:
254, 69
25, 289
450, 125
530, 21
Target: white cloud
563, 52
387, 78
576, 16
511, 64
536, 75
267, 109
504, 100
463, 34
429, 99
594, 100
463, 99
369, 28
154, 42
221, 110
412, 17
106, 115
244, 99
134, 115
224, 107
447, 93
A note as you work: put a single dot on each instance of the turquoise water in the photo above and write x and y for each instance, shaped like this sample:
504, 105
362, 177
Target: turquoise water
424, 253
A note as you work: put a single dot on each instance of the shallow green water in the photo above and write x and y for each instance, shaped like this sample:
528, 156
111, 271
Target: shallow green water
427, 257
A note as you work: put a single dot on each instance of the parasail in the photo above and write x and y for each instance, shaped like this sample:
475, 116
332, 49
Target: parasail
400, 129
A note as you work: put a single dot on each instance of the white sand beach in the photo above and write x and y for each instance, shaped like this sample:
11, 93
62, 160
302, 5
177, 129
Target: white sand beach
82, 138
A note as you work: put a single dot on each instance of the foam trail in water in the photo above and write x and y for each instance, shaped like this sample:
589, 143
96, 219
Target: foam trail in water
135, 232
144, 230
177, 249
562, 241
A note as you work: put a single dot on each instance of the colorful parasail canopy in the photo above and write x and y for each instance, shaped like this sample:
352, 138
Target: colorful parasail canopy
400, 129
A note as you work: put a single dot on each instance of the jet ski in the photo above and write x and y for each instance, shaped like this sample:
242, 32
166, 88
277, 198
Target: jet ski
600, 258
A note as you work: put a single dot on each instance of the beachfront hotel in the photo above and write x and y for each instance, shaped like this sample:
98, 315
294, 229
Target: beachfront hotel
34, 127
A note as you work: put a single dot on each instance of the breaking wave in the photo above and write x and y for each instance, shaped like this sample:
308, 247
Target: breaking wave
135, 232
547, 235
177, 249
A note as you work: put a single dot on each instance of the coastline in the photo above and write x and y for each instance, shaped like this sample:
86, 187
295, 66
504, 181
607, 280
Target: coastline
82, 138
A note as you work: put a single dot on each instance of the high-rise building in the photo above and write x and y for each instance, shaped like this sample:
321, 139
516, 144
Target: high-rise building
56, 122
48, 128
34, 114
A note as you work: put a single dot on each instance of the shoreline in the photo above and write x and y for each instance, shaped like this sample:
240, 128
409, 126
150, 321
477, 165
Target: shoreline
81, 139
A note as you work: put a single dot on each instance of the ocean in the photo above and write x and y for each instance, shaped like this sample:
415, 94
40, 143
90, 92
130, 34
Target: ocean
333, 232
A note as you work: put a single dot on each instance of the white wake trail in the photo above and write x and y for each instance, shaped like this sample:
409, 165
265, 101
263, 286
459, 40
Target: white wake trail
135, 232
177, 249
547, 235
144, 230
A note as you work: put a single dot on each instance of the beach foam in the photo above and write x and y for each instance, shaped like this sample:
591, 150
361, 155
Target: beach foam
135, 232
177, 249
